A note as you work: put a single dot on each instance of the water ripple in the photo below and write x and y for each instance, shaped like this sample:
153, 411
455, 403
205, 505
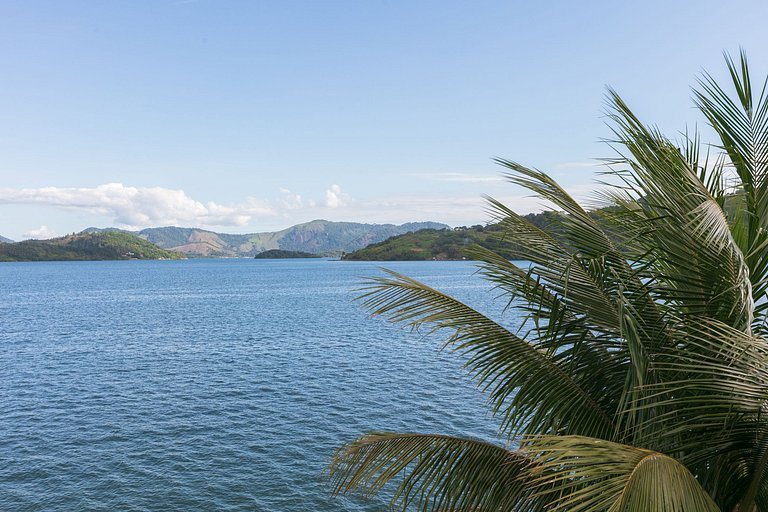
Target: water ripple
210, 384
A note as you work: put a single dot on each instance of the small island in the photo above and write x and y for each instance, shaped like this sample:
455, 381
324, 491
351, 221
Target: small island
106, 245
279, 254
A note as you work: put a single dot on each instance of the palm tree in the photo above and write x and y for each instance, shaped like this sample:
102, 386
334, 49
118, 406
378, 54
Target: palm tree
639, 379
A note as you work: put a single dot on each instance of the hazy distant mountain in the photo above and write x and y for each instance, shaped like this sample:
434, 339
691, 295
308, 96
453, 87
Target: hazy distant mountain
5, 240
317, 237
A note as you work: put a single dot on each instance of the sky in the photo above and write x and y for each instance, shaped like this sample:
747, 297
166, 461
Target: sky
250, 116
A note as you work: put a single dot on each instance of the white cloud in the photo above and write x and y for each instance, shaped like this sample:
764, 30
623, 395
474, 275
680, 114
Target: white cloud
137, 208
41, 233
290, 200
335, 198
140, 207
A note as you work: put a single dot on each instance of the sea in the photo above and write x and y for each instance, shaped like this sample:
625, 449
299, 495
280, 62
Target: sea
214, 384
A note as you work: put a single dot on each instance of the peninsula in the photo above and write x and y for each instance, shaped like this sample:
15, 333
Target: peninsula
107, 245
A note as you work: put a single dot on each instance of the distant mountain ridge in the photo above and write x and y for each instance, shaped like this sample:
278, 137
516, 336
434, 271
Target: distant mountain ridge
316, 237
5, 240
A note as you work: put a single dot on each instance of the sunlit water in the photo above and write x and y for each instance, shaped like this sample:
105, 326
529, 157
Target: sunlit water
211, 384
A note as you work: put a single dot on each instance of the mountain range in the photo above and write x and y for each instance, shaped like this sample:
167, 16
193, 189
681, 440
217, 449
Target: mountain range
316, 237
4, 240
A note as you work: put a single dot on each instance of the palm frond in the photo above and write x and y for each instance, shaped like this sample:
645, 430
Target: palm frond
581, 474
591, 280
709, 406
560, 268
598, 362
435, 472
742, 125
686, 238
528, 388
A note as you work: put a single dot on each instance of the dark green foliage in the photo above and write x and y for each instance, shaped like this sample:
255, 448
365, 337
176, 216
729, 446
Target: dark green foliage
447, 244
276, 254
107, 245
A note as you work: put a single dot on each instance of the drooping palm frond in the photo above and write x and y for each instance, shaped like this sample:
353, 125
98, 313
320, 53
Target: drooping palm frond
589, 255
582, 474
530, 389
566, 334
436, 473
562, 270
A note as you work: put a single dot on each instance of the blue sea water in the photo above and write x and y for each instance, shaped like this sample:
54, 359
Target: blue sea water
211, 384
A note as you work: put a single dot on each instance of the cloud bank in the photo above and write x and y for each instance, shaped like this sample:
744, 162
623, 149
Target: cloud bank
140, 207
137, 208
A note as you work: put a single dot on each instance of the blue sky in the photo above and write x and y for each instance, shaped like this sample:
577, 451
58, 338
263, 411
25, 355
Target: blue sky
244, 116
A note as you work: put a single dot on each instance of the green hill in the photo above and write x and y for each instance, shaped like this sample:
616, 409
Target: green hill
428, 244
274, 254
444, 244
107, 245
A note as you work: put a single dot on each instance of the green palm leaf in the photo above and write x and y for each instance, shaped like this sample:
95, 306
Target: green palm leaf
742, 124
686, 237
581, 474
591, 280
436, 472
528, 387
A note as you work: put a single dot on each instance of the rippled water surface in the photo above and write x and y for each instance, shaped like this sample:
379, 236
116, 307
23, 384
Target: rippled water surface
210, 384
